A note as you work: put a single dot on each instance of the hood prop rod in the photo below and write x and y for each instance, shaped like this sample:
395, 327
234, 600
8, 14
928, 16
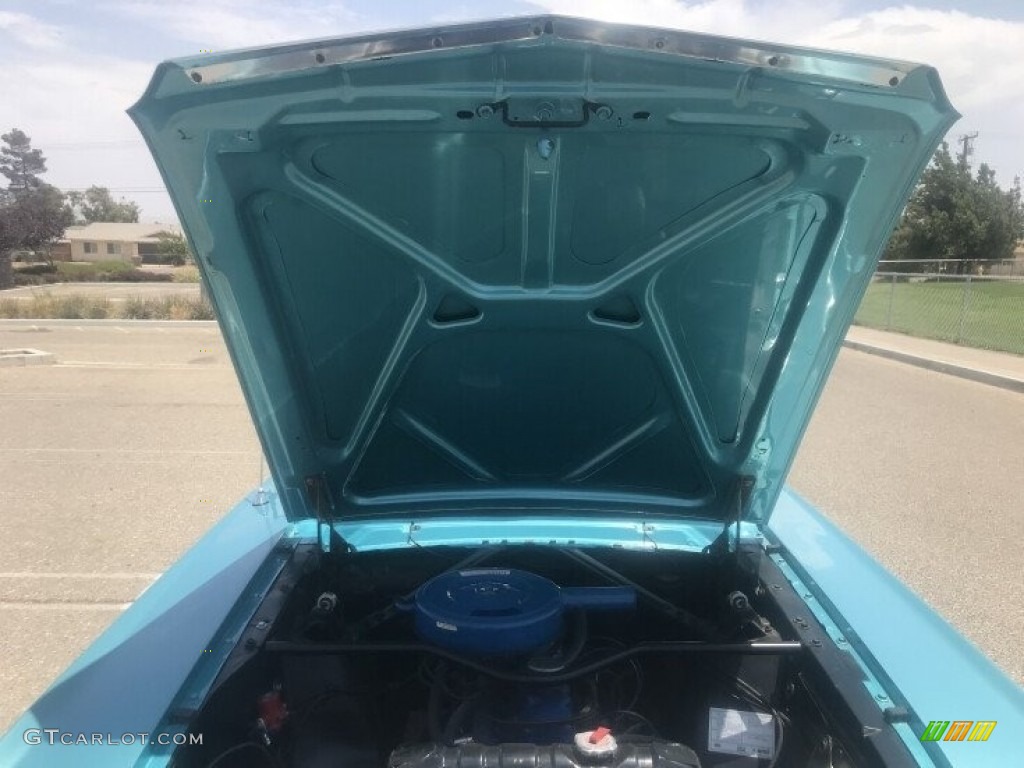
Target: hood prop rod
694, 623
649, 647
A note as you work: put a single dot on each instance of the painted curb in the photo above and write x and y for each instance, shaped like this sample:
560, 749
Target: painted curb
961, 371
25, 356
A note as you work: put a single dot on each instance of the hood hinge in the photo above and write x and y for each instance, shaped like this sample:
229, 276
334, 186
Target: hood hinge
741, 539
732, 530
323, 504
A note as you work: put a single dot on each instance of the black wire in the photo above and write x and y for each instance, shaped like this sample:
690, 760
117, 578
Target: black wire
779, 731
638, 676
752, 696
434, 701
437, 674
746, 693
308, 704
456, 720
641, 721
543, 663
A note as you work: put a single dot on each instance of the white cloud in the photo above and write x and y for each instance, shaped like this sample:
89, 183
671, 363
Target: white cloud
979, 59
226, 24
29, 31
81, 102
735, 18
63, 92
72, 105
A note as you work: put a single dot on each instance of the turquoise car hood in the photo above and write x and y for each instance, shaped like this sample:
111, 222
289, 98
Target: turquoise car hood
536, 265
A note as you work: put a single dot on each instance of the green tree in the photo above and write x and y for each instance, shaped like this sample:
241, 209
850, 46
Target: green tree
41, 218
97, 204
32, 213
20, 163
9, 238
173, 249
956, 215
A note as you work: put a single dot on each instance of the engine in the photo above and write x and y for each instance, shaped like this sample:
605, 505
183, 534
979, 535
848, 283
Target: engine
520, 620
506, 658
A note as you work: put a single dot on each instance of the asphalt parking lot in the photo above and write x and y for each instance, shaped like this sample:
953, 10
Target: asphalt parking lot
119, 456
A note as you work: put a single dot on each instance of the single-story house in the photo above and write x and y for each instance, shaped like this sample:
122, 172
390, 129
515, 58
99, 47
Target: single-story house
109, 241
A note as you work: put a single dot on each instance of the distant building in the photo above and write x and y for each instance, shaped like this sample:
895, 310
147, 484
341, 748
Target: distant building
108, 241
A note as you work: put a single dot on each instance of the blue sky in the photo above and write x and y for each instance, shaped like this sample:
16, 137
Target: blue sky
71, 68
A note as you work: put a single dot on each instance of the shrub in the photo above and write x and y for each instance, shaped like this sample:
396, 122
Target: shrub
138, 276
186, 274
201, 310
21, 279
184, 308
88, 272
47, 306
138, 309
98, 310
37, 269
69, 307
10, 308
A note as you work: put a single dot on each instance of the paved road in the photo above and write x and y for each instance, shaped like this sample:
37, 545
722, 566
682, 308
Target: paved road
925, 471
112, 462
120, 456
113, 291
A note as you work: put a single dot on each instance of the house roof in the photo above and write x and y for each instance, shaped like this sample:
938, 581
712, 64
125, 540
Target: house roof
119, 232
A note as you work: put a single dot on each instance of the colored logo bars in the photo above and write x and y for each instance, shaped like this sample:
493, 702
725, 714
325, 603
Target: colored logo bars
958, 730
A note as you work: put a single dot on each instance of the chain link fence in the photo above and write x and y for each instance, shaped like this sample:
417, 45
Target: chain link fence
975, 267
976, 310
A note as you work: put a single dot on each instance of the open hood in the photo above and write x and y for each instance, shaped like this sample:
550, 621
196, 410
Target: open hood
537, 265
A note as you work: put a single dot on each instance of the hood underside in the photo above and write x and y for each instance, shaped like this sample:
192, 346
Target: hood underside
537, 264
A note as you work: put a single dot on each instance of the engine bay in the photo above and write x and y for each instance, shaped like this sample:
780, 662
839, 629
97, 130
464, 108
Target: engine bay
523, 656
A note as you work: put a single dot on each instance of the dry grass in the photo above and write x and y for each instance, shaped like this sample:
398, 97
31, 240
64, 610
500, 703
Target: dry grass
186, 274
44, 306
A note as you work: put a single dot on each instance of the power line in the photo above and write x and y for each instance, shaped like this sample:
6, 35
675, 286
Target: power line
112, 144
123, 190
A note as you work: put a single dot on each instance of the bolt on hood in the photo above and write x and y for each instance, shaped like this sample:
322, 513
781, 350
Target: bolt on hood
540, 265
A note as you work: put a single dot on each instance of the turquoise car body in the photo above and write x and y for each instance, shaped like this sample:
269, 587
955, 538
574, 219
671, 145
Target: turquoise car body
531, 281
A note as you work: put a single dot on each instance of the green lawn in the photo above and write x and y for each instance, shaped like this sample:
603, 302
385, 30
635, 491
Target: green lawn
991, 316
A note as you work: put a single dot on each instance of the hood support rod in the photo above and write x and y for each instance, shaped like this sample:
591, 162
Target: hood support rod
781, 648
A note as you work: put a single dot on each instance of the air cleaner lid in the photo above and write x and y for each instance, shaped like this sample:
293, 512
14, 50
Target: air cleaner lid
489, 611
495, 611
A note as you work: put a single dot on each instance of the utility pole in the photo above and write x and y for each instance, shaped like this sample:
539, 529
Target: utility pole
967, 140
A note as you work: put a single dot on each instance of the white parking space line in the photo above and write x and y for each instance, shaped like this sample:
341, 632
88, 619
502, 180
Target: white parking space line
139, 366
131, 451
39, 395
30, 606
75, 575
